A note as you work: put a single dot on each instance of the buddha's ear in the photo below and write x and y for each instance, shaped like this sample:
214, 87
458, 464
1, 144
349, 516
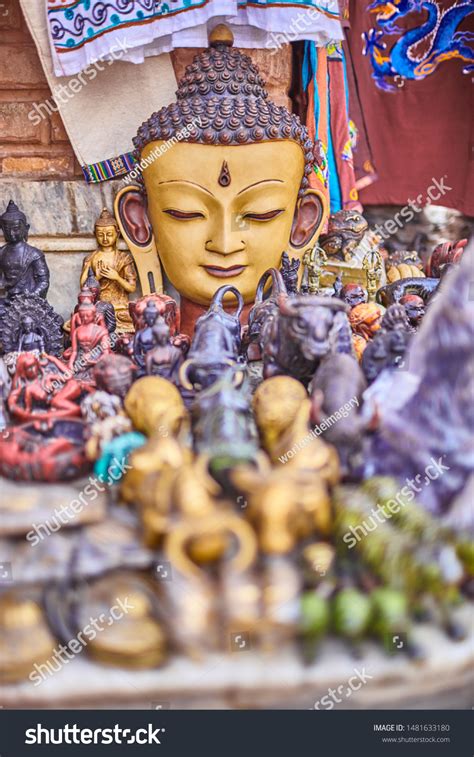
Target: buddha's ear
130, 209
136, 229
310, 214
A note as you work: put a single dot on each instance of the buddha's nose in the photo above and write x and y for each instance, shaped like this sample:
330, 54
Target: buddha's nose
227, 238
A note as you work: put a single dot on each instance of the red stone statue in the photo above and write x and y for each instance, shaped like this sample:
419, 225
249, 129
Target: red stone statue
90, 341
43, 389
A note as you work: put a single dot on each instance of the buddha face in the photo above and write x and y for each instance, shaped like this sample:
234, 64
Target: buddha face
27, 325
210, 231
86, 316
106, 235
15, 231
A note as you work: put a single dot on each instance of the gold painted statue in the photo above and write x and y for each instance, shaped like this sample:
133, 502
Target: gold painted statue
136, 639
155, 406
231, 192
290, 501
114, 270
373, 266
282, 411
313, 261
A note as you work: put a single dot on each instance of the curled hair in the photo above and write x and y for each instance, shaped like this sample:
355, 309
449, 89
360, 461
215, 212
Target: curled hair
221, 100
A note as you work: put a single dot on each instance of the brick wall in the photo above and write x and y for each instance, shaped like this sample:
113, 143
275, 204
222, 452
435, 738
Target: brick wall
27, 151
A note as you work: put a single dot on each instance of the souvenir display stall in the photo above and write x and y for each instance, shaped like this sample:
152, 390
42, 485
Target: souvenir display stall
236, 448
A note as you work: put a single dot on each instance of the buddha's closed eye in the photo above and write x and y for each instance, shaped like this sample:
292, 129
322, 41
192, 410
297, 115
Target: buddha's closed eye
268, 216
182, 215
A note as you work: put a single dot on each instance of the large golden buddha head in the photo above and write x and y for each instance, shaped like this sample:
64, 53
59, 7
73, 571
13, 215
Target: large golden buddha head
231, 193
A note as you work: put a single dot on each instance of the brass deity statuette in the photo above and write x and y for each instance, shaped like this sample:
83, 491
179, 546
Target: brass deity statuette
373, 265
113, 268
313, 261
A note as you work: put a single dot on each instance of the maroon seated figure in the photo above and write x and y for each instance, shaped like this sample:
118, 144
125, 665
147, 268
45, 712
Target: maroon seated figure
90, 341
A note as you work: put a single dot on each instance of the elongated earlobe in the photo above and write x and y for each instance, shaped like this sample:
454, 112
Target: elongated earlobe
131, 215
308, 220
131, 211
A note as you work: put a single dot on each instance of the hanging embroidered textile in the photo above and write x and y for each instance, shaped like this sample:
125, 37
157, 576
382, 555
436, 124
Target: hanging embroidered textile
411, 39
417, 136
85, 31
327, 120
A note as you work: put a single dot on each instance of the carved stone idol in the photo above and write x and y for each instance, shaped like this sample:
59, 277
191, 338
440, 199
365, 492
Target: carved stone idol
143, 340
163, 359
23, 268
29, 323
289, 271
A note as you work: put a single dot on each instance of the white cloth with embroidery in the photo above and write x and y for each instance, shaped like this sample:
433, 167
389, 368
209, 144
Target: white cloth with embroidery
91, 30
102, 110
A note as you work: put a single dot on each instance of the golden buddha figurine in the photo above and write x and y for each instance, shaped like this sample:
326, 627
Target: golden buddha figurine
231, 193
290, 501
155, 407
114, 269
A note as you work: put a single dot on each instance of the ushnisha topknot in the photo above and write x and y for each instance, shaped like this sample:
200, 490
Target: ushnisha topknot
12, 213
221, 100
106, 219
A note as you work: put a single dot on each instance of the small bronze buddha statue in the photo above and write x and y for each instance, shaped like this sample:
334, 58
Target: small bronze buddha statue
143, 339
164, 359
113, 268
23, 268
232, 193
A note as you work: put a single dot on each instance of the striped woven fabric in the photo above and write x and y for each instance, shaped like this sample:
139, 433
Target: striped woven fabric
113, 168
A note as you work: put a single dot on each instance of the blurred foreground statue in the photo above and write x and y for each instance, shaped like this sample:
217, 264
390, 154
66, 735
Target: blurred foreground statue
437, 421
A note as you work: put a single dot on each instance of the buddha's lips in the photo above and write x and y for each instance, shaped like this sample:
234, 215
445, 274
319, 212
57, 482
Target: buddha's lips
224, 273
